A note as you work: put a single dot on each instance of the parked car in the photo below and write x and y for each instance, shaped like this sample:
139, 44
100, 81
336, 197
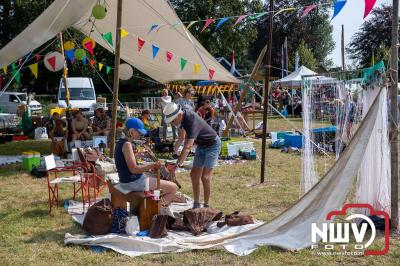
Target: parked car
82, 94
9, 102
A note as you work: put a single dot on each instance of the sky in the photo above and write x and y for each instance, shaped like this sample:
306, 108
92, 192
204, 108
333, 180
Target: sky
351, 17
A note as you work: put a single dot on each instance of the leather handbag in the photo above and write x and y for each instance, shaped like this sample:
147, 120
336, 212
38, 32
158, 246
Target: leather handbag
158, 227
99, 218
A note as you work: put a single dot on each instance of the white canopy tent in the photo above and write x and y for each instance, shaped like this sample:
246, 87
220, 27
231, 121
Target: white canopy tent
295, 79
137, 18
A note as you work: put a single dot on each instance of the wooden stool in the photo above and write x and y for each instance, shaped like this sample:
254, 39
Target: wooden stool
144, 208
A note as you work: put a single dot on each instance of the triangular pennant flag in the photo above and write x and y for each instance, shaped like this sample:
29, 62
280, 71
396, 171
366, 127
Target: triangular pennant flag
84, 61
196, 68
211, 73
369, 5
124, 33
242, 17
207, 23
100, 66
70, 55
153, 27
17, 75
169, 56
155, 50
34, 69
140, 44
89, 47
37, 57
183, 63
5, 69
108, 37
92, 62
108, 69
233, 65
307, 10
52, 62
13, 66
255, 16
222, 21
338, 6
191, 24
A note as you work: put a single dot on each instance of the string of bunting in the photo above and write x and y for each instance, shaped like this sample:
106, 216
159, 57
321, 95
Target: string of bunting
303, 11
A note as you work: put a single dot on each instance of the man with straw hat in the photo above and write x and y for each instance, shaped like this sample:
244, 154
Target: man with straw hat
207, 151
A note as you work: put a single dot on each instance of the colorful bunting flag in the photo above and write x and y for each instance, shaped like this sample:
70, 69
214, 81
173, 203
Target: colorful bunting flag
207, 23
257, 15
191, 24
233, 65
5, 69
155, 50
92, 62
211, 73
153, 27
100, 66
108, 69
140, 44
183, 63
108, 37
34, 69
70, 55
52, 62
13, 66
84, 61
222, 21
338, 6
37, 57
369, 5
124, 33
89, 46
169, 56
16, 74
307, 10
240, 19
196, 68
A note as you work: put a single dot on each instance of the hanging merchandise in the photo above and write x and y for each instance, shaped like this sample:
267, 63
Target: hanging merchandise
54, 61
125, 71
99, 11
68, 45
80, 54
89, 44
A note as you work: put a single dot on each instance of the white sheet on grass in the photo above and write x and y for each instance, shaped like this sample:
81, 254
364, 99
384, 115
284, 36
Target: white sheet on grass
137, 18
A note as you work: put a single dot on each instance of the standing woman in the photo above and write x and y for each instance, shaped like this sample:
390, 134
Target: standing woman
130, 173
186, 103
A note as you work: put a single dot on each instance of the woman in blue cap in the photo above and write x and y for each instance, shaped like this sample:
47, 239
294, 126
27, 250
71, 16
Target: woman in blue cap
130, 173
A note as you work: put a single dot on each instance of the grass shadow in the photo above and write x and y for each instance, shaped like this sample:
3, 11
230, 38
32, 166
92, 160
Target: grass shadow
35, 213
56, 235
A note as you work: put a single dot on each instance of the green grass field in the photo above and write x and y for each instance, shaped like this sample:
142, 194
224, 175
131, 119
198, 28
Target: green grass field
29, 236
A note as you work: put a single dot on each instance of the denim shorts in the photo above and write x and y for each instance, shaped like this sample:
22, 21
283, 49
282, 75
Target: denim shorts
207, 157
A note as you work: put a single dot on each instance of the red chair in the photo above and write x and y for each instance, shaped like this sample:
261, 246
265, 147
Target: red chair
80, 183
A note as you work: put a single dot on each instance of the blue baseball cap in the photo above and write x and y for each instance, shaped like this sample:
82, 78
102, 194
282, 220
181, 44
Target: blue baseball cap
137, 124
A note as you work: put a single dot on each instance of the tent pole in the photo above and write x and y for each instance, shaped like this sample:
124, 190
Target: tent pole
266, 90
65, 71
116, 79
393, 121
343, 54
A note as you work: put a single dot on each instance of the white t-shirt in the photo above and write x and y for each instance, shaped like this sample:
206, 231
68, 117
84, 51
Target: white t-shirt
164, 101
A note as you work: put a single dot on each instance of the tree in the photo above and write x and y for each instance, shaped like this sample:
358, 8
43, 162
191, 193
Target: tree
227, 38
307, 57
314, 30
373, 38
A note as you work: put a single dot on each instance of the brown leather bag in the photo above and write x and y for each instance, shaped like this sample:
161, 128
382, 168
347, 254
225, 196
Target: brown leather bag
99, 218
159, 226
236, 219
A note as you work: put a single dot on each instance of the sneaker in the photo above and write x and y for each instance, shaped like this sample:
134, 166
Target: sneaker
196, 205
206, 205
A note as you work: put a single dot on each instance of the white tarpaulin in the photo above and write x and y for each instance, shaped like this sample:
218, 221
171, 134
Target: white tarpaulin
137, 19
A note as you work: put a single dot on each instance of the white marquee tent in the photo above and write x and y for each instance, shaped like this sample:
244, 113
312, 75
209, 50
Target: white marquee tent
137, 18
295, 79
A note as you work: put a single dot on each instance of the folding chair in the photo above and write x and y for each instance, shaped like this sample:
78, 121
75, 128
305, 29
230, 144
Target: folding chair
76, 178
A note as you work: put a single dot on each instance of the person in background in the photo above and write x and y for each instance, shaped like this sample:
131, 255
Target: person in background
79, 127
207, 112
58, 136
101, 123
207, 151
164, 100
186, 103
145, 117
130, 172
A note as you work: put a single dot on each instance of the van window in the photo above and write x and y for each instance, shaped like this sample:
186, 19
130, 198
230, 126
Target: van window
78, 94
14, 99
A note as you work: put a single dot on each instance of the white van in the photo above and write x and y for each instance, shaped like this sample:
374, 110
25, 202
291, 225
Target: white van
82, 94
9, 102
